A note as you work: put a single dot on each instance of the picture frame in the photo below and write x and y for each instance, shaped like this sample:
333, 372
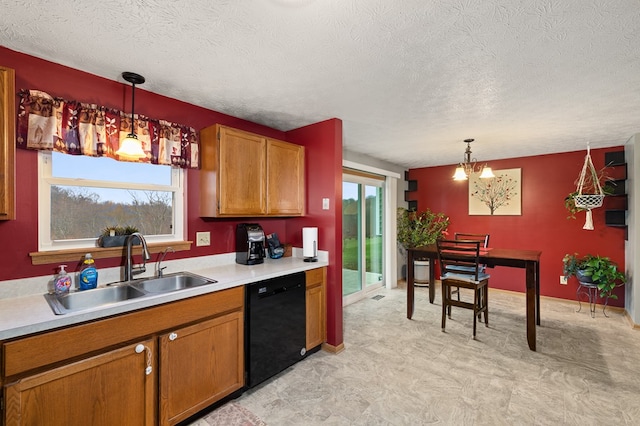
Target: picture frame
498, 196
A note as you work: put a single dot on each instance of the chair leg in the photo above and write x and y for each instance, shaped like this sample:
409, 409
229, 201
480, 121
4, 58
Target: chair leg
448, 300
444, 305
475, 311
486, 306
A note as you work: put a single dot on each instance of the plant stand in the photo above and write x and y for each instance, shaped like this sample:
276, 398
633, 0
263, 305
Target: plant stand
421, 273
591, 291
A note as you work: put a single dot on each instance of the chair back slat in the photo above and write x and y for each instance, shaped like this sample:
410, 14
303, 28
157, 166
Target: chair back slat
483, 238
461, 257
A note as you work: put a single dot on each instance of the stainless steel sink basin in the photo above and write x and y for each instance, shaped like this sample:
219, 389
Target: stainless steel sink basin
171, 282
87, 299
80, 300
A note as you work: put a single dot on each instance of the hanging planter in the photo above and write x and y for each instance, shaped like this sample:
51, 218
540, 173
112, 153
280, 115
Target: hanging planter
589, 194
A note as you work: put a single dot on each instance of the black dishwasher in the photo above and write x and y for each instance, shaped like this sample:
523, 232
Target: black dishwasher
275, 326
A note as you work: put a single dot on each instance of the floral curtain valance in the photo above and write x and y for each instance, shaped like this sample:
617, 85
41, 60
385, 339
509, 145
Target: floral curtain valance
72, 127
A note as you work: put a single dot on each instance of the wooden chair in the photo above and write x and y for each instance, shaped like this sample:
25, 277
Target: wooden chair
460, 267
484, 243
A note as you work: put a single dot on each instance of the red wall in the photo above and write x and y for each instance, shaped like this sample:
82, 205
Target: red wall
19, 237
323, 142
543, 225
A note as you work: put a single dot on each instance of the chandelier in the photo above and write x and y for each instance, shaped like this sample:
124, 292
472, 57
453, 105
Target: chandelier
469, 166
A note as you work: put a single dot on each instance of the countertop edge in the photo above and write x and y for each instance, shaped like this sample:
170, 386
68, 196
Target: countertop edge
27, 315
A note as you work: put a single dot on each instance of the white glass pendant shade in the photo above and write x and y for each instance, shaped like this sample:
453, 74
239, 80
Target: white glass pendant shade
131, 148
460, 174
487, 173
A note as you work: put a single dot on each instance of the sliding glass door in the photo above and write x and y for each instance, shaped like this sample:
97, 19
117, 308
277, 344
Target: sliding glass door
362, 235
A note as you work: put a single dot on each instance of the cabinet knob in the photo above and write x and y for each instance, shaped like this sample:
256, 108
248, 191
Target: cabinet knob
173, 336
139, 348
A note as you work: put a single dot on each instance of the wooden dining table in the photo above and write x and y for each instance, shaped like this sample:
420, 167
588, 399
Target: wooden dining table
515, 258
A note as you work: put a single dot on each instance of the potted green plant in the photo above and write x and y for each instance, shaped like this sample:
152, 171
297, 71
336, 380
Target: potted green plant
594, 269
417, 229
116, 236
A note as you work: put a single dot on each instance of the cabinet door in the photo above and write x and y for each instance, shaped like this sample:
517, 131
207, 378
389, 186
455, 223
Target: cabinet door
285, 178
241, 187
7, 143
316, 307
109, 389
199, 365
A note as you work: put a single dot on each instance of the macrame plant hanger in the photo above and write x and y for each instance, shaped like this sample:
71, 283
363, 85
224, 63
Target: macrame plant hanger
589, 201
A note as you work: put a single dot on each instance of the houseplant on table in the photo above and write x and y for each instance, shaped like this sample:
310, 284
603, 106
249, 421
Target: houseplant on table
417, 229
598, 270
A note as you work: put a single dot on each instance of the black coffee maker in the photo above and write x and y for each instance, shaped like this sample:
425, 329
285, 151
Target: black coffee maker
249, 244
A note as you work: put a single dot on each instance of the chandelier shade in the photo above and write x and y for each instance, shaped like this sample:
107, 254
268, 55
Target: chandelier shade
468, 166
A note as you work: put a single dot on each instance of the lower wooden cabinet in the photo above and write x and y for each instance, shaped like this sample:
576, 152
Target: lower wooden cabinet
199, 365
186, 355
114, 388
316, 307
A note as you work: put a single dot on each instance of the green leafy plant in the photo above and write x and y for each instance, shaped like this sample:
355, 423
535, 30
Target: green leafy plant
111, 231
597, 269
417, 229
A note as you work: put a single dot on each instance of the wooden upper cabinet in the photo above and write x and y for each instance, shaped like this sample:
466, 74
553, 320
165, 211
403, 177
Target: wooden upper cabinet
7, 143
245, 175
242, 169
285, 178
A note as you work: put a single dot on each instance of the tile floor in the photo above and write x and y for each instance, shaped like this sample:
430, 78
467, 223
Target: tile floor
396, 371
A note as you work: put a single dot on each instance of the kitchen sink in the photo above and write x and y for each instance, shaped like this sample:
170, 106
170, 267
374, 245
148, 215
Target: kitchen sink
170, 282
118, 292
87, 299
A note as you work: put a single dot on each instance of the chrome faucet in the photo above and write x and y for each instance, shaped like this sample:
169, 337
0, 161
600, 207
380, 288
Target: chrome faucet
161, 258
128, 265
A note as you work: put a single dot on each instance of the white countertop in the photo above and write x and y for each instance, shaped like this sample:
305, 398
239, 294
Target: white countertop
21, 316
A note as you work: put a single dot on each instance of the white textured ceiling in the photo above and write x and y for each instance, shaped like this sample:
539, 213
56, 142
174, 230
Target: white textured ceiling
410, 79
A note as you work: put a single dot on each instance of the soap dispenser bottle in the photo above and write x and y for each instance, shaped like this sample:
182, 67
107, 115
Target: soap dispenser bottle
62, 283
88, 277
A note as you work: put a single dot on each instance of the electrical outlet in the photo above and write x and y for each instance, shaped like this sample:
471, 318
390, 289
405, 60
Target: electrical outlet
203, 239
563, 279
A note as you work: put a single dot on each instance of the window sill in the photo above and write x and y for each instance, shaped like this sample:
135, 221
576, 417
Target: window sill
71, 255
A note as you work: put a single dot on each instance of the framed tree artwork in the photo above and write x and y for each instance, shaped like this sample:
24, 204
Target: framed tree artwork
498, 196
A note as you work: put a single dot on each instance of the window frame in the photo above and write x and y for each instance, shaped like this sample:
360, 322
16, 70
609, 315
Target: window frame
46, 180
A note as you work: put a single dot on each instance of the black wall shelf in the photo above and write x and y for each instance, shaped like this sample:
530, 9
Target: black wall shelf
616, 216
408, 197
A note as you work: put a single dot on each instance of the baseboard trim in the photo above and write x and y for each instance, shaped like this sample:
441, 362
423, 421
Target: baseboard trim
333, 349
630, 320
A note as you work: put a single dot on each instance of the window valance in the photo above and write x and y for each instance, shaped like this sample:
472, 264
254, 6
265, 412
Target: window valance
72, 127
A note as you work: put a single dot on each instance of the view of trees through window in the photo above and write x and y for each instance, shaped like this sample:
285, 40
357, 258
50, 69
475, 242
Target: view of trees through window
79, 212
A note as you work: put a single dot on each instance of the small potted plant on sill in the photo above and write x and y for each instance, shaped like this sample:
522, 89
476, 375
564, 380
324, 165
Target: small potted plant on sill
417, 229
598, 270
116, 236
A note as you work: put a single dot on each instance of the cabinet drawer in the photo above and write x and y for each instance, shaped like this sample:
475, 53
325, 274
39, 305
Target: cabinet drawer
315, 277
34, 352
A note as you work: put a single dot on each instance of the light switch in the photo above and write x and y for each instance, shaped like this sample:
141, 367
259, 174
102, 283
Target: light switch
325, 204
203, 239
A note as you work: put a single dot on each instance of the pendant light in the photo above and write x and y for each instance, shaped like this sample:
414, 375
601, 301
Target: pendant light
467, 167
131, 147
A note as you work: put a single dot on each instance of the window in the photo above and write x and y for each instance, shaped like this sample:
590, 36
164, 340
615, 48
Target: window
79, 196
